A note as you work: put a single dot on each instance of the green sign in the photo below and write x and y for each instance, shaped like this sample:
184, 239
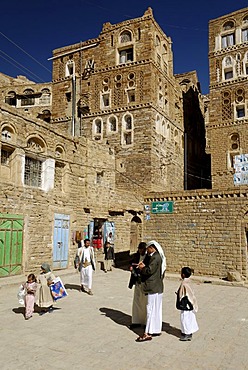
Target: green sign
162, 207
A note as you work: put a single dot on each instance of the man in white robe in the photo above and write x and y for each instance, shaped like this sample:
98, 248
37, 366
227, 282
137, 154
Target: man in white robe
152, 273
86, 266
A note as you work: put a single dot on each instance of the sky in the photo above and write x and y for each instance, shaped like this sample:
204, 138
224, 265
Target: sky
30, 30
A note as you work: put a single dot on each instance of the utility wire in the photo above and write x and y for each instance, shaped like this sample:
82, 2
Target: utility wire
25, 52
24, 68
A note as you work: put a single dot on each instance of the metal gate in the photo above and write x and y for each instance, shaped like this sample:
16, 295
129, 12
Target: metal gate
61, 240
11, 244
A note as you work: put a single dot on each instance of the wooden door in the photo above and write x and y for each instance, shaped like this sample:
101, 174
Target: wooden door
61, 240
11, 244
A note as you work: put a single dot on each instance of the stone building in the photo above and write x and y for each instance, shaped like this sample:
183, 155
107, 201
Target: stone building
56, 190
228, 111
33, 99
119, 90
124, 127
208, 229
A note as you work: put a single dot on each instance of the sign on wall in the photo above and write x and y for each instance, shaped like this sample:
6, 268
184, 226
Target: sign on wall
162, 207
241, 169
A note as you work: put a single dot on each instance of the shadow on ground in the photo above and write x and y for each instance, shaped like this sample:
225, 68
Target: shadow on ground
73, 287
123, 319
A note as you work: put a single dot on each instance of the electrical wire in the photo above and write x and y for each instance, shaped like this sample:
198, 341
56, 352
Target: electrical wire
22, 69
30, 56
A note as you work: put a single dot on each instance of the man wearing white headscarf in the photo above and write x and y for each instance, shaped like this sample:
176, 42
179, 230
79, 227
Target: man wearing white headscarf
152, 276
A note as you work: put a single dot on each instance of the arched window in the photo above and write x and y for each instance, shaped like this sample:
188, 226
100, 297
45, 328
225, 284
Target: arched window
228, 71
11, 98
45, 97
97, 129
228, 39
28, 97
112, 124
158, 124
234, 149
125, 53
36, 145
157, 41
59, 151
125, 36
127, 129
245, 29
45, 115
245, 64
228, 25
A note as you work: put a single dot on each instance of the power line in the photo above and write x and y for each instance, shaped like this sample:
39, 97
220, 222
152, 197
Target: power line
23, 68
25, 52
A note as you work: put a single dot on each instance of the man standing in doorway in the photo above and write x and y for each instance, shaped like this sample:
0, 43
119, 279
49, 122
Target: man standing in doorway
86, 266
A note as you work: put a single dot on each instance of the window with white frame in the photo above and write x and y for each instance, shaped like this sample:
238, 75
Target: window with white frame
105, 100
157, 124
234, 149
245, 35
131, 95
228, 25
112, 124
168, 131
28, 98
70, 68
6, 134
240, 111
126, 55
97, 129
32, 172
227, 40
163, 128
125, 36
228, 68
127, 129
45, 97
39, 173
11, 98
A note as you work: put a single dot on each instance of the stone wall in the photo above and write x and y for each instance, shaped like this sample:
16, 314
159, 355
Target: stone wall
80, 183
206, 231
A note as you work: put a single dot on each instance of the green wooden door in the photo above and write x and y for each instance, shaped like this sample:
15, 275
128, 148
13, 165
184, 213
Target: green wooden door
11, 244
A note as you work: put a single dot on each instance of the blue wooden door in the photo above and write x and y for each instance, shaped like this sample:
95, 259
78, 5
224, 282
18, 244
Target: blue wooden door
61, 240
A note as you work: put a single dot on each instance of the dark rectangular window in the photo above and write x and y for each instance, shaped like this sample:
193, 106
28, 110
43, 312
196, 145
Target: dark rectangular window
27, 100
32, 172
228, 75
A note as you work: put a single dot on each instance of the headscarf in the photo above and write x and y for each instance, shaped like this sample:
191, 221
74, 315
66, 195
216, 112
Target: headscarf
161, 252
46, 267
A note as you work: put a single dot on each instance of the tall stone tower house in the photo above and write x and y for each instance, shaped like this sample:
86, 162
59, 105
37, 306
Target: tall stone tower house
227, 128
119, 90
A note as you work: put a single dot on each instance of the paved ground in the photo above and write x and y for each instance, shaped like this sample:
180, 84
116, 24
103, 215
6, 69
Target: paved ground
91, 332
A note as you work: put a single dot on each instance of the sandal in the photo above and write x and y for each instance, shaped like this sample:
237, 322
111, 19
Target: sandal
144, 338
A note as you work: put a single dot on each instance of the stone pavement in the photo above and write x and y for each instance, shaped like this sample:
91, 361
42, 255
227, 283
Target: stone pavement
91, 332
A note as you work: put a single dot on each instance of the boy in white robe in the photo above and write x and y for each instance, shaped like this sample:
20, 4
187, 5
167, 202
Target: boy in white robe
186, 302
